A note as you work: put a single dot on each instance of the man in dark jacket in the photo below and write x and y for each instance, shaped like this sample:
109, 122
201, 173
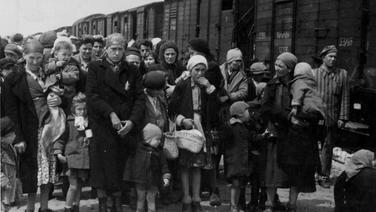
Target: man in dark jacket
116, 104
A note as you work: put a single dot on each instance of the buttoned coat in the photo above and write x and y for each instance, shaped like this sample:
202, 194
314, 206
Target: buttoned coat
19, 107
112, 91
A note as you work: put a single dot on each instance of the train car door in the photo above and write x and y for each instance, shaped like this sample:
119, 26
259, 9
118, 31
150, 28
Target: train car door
226, 32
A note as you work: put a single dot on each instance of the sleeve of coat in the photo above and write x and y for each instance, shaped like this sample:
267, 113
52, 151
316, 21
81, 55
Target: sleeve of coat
242, 91
59, 145
345, 97
94, 100
297, 91
175, 101
138, 110
70, 74
12, 109
339, 193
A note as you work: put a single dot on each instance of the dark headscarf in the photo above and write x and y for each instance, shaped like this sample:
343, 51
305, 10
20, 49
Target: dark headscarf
200, 45
360, 159
167, 45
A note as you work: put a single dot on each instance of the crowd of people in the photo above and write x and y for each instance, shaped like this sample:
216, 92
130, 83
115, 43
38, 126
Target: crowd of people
103, 112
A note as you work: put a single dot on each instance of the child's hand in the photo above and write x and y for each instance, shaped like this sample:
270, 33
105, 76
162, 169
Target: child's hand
86, 141
60, 63
61, 158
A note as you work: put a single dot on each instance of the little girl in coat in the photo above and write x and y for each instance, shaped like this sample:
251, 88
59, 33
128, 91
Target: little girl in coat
73, 149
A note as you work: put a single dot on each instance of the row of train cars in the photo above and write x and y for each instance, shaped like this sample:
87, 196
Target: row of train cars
260, 28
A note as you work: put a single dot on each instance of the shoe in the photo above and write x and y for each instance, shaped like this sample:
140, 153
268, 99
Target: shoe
186, 207
324, 182
76, 208
215, 200
102, 205
196, 207
45, 210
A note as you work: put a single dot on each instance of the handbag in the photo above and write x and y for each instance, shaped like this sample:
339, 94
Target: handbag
191, 140
170, 148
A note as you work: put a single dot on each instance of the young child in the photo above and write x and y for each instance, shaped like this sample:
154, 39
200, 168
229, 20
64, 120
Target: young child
62, 71
150, 59
147, 168
73, 149
306, 102
244, 142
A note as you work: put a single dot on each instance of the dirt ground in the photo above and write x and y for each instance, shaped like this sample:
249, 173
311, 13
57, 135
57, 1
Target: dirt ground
320, 201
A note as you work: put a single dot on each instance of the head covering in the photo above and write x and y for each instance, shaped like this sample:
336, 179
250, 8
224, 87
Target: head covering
155, 41
155, 80
258, 68
13, 49
328, 49
33, 46
18, 37
6, 63
151, 131
234, 54
303, 69
167, 45
200, 45
196, 59
115, 39
288, 59
360, 159
238, 108
47, 39
132, 51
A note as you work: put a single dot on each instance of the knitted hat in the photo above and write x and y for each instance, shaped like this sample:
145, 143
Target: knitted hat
258, 68
33, 46
13, 49
288, 59
328, 49
303, 69
234, 54
167, 45
115, 39
200, 45
47, 39
238, 108
151, 131
196, 59
132, 51
155, 80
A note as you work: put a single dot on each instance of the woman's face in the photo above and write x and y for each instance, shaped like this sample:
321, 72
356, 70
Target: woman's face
170, 55
281, 69
198, 71
34, 60
149, 60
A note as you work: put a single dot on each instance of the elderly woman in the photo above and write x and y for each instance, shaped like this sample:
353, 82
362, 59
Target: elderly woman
116, 104
28, 106
355, 188
189, 106
275, 108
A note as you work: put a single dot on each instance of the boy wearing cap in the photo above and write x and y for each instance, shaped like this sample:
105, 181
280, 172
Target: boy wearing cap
12, 51
242, 141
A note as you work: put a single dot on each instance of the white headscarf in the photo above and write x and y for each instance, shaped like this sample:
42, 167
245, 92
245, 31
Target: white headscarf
196, 59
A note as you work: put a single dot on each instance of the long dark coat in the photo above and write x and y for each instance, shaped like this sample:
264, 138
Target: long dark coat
120, 92
20, 108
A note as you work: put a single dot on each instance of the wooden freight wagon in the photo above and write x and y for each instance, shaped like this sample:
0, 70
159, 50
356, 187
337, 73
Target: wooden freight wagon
224, 24
304, 27
97, 24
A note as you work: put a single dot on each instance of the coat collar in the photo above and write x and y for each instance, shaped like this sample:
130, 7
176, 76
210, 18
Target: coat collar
21, 89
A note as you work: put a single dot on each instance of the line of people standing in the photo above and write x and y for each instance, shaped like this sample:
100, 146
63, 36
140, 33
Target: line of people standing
104, 116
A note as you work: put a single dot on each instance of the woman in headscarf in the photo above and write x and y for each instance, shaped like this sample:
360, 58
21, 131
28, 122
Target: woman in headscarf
213, 74
169, 63
355, 188
275, 108
189, 107
38, 124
